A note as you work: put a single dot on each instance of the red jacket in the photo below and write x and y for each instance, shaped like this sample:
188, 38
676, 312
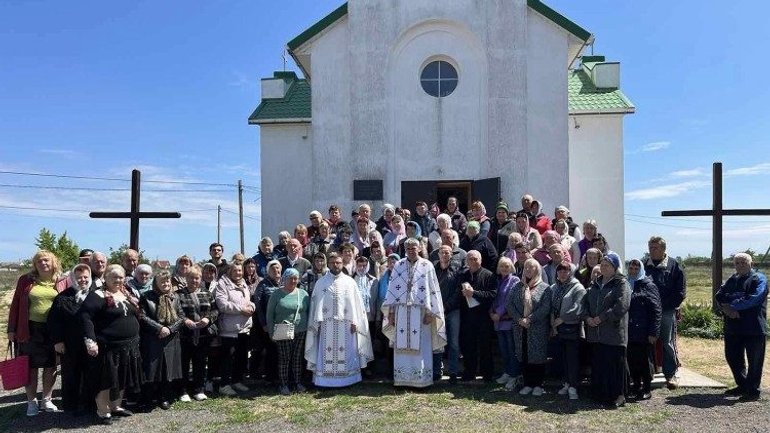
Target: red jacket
542, 223
18, 318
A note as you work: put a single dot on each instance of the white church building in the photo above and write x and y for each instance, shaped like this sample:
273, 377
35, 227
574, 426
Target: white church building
418, 100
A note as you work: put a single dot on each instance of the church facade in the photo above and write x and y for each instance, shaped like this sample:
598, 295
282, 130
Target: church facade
418, 100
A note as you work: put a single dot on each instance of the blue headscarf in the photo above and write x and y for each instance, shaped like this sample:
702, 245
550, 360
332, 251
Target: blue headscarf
417, 229
639, 276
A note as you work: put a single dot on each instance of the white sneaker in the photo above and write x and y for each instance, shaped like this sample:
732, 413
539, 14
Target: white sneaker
573, 395
511, 384
228, 391
503, 379
564, 389
240, 387
200, 396
32, 409
526, 390
538, 391
209, 386
48, 406
185, 398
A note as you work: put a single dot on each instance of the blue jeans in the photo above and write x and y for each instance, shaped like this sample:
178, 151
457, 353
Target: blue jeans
508, 351
667, 323
452, 349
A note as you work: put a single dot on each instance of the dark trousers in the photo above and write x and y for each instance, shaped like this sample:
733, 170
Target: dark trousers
476, 343
569, 351
640, 365
195, 355
264, 355
235, 352
74, 392
291, 359
742, 348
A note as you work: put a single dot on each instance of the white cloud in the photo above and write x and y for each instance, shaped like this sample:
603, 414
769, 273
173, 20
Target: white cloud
695, 172
655, 146
762, 168
666, 191
68, 153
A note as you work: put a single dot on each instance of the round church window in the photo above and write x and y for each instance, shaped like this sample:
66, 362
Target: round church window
439, 79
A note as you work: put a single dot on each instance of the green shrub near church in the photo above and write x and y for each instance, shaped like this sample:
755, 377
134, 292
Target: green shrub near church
699, 321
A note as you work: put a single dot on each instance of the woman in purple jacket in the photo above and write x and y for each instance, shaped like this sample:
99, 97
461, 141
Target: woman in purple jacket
503, 324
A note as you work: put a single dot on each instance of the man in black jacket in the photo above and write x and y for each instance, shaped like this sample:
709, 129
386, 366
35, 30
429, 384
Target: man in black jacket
669, 277
478, 288
474, 241
743, 300
448, 273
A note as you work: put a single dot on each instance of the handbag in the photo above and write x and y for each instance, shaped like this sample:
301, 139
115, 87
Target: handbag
14, 372
285, 331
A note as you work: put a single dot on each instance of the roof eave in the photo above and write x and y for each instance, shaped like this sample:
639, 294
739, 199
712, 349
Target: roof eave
627, 110
301, 120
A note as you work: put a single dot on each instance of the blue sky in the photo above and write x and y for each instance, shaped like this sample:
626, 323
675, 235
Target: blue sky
97, 88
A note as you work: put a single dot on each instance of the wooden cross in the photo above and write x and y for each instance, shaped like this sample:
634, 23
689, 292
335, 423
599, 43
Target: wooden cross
135, 215
716, 212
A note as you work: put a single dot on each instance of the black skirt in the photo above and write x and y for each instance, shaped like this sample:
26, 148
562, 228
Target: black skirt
119, 367
161, 358
39, 347
609, 373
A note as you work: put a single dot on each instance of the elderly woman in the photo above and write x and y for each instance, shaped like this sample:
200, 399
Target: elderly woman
142, 281
529, 306
530, 236
360, 236
605, 312
183, 264
110, 319
300, 233
321, 242
291, 305
377, 258
235, 310
67, 336
550, 237
562, 228
510, 249
200, 318
161, 320
590, 229
503, 323
501, 227
263, 256
591, 259
644, 318
566, 308
385, 222
32, 300
280, 250
479, 214
250, 274
392, 239
264, 350
443, 222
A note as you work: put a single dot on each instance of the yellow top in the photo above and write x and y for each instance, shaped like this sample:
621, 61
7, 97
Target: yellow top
40, 301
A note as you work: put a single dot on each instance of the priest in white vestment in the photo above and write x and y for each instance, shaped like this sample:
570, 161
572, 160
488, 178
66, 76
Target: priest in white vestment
338, 344
413, 318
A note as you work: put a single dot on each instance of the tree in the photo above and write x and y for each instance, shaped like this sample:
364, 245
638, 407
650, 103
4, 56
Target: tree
116, 256
62, 247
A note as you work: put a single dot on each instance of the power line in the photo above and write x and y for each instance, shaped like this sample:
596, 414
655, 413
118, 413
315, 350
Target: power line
236, 213
84, 188
114, 179
666, 225
84, 210
692, 220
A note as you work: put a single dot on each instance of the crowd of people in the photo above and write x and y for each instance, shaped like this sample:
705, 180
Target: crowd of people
403, 297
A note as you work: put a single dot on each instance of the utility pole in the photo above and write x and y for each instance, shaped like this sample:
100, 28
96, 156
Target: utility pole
240, 213
219, 223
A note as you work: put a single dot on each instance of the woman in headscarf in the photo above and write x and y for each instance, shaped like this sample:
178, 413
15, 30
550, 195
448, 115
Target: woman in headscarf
142, 281
67, 335
479, 213
385, 222
510, 249
540, 221
566, 308
290, 304
562, 228
360, 236
443, 222
162, 319
250, 274
605, 312
110, 319
344, 234
644, 316
377, 258
413, 230
529, 306
392, 239
32, 301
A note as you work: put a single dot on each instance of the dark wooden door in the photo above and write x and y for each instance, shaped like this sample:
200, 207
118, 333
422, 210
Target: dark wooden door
488, 192
414, 191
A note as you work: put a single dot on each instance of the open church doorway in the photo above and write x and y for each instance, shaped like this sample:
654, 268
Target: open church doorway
439, 191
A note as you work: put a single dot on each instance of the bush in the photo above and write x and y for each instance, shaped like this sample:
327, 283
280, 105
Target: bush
699, 321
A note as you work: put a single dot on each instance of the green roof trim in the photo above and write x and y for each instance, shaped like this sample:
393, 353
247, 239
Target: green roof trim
295, 106
593, 59
584, 97
318, 27
540, 7
560, 20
